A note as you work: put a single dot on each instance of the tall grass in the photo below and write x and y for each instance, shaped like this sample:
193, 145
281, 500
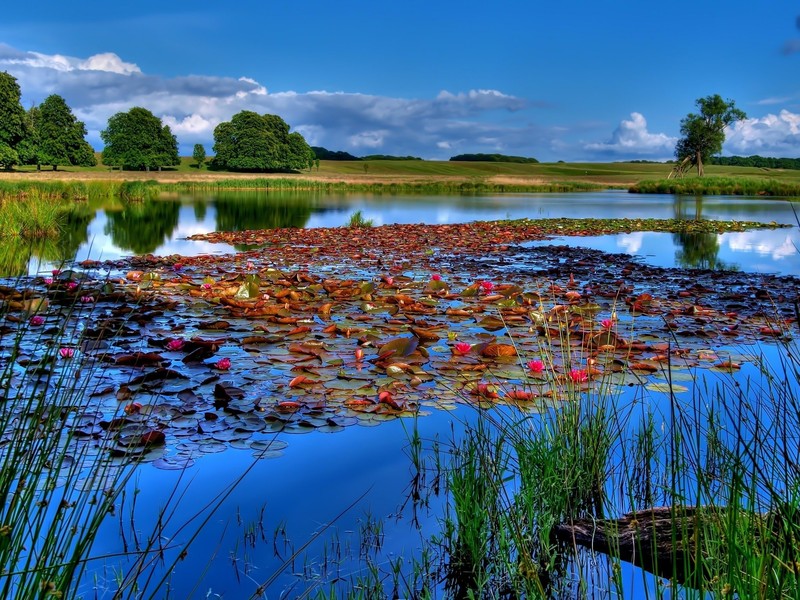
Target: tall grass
740, 186
30, 219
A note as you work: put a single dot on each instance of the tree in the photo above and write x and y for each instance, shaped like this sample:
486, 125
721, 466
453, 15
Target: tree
138, 140
12, 120
199, 155
704, 133
58, 137
253, 142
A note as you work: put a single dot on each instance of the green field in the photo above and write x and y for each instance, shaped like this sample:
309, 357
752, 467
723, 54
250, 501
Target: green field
615, 174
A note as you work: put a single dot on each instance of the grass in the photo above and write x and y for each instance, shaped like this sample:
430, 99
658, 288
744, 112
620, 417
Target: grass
422, 175
702, 491
357, 220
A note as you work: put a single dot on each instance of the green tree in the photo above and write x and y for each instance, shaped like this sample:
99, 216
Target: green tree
704, 133
28, 148
199, 155
59, 136
253, 142
138, 140
12, 120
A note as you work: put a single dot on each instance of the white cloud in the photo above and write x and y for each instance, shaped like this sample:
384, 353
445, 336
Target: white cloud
770, 135
110, 62
631, 139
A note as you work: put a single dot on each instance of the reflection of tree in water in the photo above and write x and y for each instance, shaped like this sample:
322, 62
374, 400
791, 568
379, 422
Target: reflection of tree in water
74, 231
237, 212
141, 227
697, 250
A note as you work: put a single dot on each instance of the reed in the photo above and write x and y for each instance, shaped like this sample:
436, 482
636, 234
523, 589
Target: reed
738, 186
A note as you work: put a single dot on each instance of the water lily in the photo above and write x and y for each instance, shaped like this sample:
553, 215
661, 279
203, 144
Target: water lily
535, 366
462, 347
223, 364
359, 355
37, 320
436, 277
177, 266
71, 285
389, 280
56, 272
206, 286
607, 323
87, 299
48, 281
66, 352
250, 265
175, 344
579, 375
487, 286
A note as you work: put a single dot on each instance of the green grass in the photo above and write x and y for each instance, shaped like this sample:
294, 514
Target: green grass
719, 185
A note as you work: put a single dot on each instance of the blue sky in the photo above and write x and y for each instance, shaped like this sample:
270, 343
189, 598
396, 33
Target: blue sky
573, 81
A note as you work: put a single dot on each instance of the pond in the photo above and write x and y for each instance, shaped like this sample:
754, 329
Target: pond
110, 231
341, 493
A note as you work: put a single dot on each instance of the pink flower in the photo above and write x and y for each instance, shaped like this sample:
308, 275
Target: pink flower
487, 286
579, 375
71, 285
463, 347
177, 266
56, 272
175, 344
37, 320
48, 281
436, 277
536, 366
87, 299
66, 352
389, 280
206, 286
250, 265
223, 364
607, 323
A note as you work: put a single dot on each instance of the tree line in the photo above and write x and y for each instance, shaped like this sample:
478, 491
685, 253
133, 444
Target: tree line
49, 134
761, 162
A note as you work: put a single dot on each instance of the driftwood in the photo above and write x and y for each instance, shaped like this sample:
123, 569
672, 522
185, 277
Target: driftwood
660, 540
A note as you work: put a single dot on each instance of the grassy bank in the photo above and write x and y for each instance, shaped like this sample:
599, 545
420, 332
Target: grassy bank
715, 186
448, 175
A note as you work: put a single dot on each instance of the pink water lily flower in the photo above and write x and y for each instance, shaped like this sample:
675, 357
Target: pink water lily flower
436, 277
71, 285
536, 366
37, 320
607, 323
48, 281
579, 375
206, 286
56, 272
175, 344
87, 299
487, 286
223, 364
66, 352
463, 347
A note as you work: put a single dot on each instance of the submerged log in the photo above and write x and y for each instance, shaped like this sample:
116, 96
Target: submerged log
662, 540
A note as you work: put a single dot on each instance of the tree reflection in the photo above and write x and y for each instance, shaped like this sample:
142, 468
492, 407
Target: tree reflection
142, 227
237, 212
697, 250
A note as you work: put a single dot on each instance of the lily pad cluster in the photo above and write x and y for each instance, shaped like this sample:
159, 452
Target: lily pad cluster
319, 330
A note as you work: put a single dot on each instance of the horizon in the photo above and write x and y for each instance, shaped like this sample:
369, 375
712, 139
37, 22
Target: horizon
578, 83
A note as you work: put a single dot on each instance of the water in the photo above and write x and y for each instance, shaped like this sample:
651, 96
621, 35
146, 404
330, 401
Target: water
352, 477
104, 232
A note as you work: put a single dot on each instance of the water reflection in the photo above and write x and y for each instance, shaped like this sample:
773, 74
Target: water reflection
109, 230
696, 250
142, 227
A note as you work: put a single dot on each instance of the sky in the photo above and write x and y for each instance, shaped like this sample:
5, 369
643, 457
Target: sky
573, 81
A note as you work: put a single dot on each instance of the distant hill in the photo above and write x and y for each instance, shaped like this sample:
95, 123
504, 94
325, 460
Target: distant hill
492, 158
325, 154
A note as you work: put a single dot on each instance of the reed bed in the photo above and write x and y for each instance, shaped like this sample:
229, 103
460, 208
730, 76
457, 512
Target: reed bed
733, 186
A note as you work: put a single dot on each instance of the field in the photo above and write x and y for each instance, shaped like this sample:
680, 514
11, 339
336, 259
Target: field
614, 175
